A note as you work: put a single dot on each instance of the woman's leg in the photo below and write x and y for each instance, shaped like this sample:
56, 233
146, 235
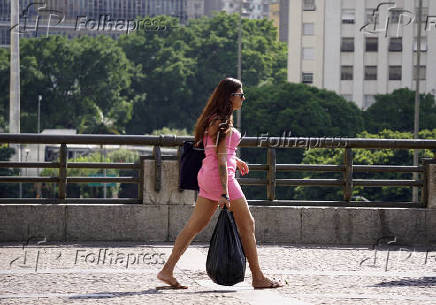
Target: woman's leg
245, 222
203, 211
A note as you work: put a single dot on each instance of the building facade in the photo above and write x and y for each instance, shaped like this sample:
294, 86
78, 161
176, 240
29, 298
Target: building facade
274, 15
361, 48
284, 20
115, 9
251, 9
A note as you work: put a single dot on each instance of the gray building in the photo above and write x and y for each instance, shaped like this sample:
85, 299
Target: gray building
284, 20
71, 9
252, 9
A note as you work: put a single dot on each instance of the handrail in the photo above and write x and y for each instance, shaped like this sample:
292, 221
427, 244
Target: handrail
173, 140
271, 143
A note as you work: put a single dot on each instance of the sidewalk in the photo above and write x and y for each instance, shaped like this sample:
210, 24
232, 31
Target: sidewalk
125, 273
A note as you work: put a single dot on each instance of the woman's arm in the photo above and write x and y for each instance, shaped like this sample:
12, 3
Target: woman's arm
222, 163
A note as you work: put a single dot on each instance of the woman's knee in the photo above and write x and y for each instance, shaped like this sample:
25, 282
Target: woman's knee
247, 225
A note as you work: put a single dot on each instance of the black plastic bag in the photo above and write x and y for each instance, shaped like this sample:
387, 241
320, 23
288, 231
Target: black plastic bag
226, 261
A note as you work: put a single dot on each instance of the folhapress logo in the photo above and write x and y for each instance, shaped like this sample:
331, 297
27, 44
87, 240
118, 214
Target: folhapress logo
54, 17
47, 19
394, 17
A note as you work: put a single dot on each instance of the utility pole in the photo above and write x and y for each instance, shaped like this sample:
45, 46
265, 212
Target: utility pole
14, 87
417, 97
238, 112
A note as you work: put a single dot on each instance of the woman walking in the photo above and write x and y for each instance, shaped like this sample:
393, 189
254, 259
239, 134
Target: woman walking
217, 182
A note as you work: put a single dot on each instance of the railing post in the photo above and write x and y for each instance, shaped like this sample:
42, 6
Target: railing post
157, 167
348, 174
271, 175
62, 172
141, 180
179, 158
429, 190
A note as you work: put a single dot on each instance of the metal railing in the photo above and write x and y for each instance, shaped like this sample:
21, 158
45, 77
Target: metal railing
271, 167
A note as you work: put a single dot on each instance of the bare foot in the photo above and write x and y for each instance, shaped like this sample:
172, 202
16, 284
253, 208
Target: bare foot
170, 280
265, 283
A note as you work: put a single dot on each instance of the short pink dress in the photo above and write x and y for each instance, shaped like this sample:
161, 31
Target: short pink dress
208, 176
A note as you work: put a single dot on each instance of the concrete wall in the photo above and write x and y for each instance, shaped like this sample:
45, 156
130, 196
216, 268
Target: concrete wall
163, 214
142, 222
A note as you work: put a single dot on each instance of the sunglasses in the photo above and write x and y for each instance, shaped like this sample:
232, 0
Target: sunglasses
238, 94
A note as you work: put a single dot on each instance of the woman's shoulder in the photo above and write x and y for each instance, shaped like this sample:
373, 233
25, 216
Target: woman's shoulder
236, 130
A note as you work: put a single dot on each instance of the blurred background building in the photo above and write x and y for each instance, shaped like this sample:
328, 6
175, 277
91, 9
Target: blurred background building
126, 10
116, 9
328, 48
252, 9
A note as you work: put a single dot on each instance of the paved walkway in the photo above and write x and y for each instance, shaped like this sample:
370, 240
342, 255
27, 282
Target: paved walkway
125, 273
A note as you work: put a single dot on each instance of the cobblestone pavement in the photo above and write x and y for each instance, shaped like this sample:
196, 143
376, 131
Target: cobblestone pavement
125, 273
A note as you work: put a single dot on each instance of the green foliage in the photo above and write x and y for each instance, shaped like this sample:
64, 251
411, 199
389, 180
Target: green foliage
364, 157
170, 131
86, 191
289, 109
4, 88
80, 80
7, 190
301, 109
396, 111
180, 67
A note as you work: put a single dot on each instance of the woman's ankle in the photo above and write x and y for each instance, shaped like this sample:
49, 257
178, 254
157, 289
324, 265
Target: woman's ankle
257, 275
168, 269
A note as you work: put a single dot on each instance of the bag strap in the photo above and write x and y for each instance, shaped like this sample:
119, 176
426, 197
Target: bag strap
216, 144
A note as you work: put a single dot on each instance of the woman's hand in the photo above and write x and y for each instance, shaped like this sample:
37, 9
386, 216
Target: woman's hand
242, 166
223, 201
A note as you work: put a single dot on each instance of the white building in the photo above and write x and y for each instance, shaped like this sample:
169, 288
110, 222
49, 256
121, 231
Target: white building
360, 48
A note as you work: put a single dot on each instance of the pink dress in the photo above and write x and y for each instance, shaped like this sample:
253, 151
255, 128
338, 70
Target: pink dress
208, 176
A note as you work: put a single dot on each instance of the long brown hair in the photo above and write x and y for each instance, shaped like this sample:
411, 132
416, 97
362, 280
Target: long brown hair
218, 108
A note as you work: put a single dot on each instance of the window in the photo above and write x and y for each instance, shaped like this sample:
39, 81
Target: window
308, 28
347, 44
348, 16
309, 5
423, 44
395, 15
422, 72
308, 53
370, 72
307, 78
368, 100
396, 44
394, 72
371, 16
371, 44
346, 72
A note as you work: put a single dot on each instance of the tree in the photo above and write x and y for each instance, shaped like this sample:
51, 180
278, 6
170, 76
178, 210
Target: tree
4, 87
8, 190
78, 77
180, 66
288, 109
396, 111
364, 157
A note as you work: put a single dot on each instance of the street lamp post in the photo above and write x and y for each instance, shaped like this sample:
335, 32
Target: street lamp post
417, 97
